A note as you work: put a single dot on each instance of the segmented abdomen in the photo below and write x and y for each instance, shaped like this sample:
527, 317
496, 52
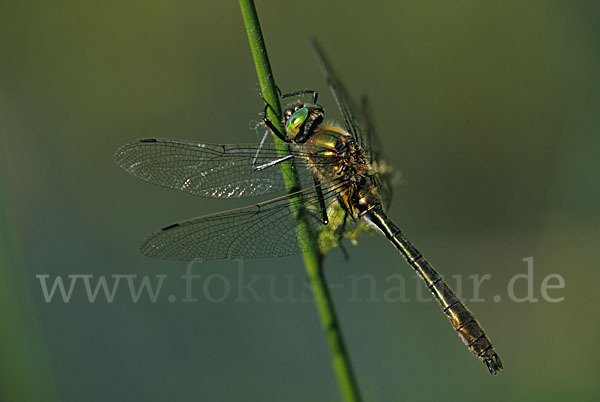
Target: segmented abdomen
461, 319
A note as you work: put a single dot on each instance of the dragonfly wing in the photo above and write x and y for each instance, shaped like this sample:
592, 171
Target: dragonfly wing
359, 123
385, 173
263, 230
208, 170
342, 99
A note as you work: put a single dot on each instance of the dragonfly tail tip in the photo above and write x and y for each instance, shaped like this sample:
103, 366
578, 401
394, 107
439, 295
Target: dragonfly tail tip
493, 362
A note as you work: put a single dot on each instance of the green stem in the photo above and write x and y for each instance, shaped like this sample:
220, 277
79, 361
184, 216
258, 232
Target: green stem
313, 260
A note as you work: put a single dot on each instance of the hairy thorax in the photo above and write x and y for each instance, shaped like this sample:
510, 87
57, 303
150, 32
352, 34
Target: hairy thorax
339, 162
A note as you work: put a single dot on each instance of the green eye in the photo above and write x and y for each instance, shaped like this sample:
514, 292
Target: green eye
295, 121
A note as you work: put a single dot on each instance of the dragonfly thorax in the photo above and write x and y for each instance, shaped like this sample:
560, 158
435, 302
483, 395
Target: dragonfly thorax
339, 162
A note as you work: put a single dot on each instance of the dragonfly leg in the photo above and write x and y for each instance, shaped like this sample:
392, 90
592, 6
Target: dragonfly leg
319, 190
271, 163
262, 142
314, 93
323, 219
268, 164
276, 130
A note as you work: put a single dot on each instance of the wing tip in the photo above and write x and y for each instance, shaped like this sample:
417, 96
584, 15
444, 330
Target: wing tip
120, 153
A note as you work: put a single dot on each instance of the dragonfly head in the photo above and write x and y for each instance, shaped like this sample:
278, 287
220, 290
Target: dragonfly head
301, 119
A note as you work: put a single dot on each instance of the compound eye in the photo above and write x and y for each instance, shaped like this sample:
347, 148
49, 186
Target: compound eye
292, 126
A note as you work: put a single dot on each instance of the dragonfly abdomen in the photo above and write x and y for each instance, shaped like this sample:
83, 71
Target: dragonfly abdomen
462, 320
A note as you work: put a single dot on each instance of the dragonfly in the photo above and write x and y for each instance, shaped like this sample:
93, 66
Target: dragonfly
344, 187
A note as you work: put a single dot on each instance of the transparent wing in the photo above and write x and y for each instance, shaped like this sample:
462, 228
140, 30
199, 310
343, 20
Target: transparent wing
342, 99
210, 170
263, 230
384, 172
360, 124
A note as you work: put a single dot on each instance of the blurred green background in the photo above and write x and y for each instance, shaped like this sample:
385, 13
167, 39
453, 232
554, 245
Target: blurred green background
489, 109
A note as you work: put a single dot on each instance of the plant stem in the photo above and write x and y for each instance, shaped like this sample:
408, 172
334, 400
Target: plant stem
313, 259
